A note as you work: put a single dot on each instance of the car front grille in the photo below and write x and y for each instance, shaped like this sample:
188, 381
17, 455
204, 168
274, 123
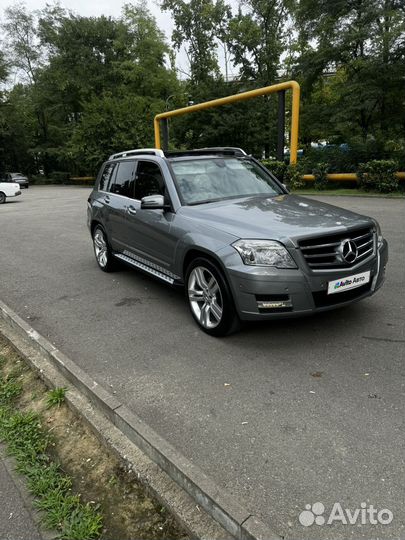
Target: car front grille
326, 252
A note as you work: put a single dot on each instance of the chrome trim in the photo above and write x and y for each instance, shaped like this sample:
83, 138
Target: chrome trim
320, 246
137, 152
117, 195
225, 148
375, 279
338, 262
274, 304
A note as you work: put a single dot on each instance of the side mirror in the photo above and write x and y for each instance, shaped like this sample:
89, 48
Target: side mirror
154, 202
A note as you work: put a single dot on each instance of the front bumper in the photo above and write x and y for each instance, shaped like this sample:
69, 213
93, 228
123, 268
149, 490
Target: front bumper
265, 293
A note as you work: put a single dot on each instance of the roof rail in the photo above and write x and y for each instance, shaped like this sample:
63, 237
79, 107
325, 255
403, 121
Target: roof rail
220, 150
137, 151
235, 150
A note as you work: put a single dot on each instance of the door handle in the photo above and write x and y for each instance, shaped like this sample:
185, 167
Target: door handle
131, 210
107, 199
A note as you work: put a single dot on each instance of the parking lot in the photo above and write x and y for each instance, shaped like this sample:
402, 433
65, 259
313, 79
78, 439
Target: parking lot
281, 415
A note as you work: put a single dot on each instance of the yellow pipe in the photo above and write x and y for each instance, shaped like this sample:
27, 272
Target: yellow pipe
345, 177
293, 85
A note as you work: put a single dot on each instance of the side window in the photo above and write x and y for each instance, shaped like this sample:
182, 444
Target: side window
124, 179
106, 176
149, 180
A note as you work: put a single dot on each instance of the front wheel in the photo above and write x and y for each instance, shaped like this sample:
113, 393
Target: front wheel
2, 197
210, 298
104, 257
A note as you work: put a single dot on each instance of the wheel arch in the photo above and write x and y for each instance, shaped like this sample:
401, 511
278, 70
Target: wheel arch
94, 224
194, 253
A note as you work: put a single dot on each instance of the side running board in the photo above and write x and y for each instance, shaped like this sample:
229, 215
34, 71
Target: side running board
145, 268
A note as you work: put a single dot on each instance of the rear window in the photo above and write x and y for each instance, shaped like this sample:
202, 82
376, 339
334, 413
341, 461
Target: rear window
124, 179
106, 175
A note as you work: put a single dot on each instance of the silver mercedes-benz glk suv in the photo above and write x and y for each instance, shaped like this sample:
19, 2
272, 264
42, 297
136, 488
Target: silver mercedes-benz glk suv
220, 224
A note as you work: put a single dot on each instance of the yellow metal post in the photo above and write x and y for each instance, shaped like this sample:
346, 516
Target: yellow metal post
344, 177
289, 85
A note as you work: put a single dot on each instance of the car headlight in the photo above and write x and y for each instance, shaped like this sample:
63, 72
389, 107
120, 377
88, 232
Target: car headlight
264, 253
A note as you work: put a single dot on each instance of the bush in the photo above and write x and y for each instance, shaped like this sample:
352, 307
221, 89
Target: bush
321, 179
338, 159
60, 177
343, 158
278, 168
293, 177
40, 180
378, 175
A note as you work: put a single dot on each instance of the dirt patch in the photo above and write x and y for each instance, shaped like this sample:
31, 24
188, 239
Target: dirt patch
129, 512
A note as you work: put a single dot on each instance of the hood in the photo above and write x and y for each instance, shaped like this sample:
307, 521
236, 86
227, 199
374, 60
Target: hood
279, 218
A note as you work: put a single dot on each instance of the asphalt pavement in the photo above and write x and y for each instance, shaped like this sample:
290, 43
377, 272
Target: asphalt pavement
17, 520
282, 415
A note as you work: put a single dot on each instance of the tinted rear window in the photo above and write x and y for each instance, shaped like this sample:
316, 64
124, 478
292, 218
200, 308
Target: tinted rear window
106, 176
124, 179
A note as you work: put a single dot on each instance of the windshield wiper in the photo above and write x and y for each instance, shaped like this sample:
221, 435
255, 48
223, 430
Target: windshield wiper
206, 201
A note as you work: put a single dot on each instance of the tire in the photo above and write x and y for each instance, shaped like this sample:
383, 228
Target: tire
27, 186
2, 198
210, 299
102, 251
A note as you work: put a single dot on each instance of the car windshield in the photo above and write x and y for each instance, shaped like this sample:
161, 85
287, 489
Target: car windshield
213, 179
16, 175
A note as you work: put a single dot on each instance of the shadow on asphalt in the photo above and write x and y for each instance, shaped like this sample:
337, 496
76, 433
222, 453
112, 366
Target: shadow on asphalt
326, 322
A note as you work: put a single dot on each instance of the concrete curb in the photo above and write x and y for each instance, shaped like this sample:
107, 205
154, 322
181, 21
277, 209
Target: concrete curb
218, 504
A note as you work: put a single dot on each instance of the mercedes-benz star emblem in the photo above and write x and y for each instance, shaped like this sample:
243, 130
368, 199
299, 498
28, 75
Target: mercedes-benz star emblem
348, 251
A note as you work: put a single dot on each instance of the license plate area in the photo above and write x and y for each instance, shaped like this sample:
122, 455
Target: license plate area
348, 282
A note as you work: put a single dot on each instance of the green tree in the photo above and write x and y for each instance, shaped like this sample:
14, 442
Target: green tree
257, 38
359, 43
109, 124
199, 24
23, 48
18, 129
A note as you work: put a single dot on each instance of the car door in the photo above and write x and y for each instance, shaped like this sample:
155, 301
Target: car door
120, 194
148, 231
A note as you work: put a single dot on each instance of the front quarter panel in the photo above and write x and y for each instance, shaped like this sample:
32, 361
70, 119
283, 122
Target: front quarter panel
196, 235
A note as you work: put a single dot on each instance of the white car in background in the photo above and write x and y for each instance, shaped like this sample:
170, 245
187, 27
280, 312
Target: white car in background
9, 189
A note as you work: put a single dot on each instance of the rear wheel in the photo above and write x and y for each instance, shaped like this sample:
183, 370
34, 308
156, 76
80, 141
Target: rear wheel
2, 197
210, 298
104, 257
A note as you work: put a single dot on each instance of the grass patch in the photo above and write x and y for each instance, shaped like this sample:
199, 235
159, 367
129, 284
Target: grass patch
27, 441
62, 459
9, 389
351, 192
55, 397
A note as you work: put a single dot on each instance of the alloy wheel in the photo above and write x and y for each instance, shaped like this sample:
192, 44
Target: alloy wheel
205, 297
100, 248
